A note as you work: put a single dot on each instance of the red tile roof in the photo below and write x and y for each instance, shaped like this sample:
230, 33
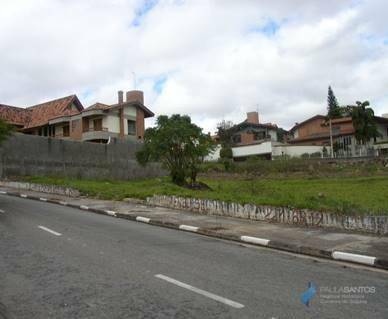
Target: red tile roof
14, 115
97, 106
318, 116
40, 114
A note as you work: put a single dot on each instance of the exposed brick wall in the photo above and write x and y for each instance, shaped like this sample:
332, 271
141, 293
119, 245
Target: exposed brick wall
135, 96
247, 138
253, 117
315, 127
311, 128
121, 119
76, 130
318, 134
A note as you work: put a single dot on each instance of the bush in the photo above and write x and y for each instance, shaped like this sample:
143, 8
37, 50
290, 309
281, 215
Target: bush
316, 155
226, 152
227, 163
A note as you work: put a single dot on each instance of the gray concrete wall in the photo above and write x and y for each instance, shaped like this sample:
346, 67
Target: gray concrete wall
283, 215
23, 155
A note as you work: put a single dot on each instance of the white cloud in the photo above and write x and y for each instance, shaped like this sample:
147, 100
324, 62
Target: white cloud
217, 59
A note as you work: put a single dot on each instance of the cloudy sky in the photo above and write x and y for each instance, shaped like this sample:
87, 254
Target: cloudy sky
211, 59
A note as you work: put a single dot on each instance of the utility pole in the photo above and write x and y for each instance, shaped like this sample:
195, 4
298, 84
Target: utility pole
134, 80
331, 139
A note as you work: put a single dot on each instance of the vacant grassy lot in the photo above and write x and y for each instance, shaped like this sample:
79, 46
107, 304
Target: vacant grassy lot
299, 168
361, 195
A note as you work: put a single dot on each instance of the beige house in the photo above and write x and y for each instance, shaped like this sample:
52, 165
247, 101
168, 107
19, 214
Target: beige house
66, 118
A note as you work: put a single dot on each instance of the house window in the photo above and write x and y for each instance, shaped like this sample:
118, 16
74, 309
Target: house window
97, 124
259, 136
66, 130
131, 127
237, 138
85, 125
52, 131
336, 130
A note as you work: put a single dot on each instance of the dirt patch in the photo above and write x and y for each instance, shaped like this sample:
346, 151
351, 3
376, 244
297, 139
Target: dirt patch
198, 186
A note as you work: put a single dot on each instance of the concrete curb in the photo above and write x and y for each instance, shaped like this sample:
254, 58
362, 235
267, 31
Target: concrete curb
285, 246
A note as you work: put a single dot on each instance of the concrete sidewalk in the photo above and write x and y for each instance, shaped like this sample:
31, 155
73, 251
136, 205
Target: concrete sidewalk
360, 248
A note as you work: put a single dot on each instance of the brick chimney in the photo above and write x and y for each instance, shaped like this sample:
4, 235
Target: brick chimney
253, 117
135, 96
121, 97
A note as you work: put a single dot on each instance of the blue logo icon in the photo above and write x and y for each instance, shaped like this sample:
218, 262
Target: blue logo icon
308, 294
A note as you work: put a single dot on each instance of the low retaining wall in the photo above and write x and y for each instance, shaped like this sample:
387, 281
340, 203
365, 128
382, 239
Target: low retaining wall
50, 189
284, 215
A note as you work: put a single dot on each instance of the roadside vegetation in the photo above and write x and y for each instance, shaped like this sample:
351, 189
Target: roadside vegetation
348, 187
5, 130
348, 195
179, 145
284, 167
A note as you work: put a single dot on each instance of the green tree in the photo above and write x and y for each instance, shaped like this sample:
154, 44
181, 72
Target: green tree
5, 130
333, 108
281, 134
225, 131
201, 145
324, 151
364, 122
333, 111
178, 144
226, 157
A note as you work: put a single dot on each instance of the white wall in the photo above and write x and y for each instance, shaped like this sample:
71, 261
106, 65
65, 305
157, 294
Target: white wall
268, 148
256, 149
383, 131
296, 150
273, 134
215, 155
112, 122
130, 110
74, 108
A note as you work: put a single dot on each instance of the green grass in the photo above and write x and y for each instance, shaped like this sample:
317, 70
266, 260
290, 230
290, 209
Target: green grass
298, 168
358, 195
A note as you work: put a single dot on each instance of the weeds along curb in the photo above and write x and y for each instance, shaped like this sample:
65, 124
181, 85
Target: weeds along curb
370, 261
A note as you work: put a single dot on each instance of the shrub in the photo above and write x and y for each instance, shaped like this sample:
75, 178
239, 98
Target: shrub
226, 152
316, 155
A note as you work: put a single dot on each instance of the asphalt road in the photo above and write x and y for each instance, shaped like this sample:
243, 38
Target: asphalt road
59, 262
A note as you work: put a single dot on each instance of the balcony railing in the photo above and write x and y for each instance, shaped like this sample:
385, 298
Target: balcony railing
92, 129
61, 135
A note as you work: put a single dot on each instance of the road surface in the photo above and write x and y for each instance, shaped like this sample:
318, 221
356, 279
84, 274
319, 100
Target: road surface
60, 262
